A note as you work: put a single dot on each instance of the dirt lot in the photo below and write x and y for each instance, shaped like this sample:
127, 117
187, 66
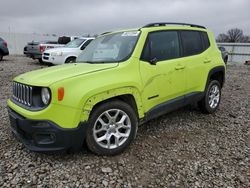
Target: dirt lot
182, 149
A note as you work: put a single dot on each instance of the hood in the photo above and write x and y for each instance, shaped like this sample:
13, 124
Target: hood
60, 49
48, 76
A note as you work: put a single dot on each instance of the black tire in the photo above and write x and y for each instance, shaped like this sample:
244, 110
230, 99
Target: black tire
70, 60
226, 59
40, 61
97, 112
1, 56
204, 103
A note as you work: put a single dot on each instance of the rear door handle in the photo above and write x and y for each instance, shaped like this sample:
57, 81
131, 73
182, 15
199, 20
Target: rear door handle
207, 61
179, 67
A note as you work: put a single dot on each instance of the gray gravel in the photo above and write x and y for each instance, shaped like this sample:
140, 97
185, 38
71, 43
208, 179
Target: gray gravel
182, 149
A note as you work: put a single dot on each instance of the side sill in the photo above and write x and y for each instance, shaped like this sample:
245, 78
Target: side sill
171, 105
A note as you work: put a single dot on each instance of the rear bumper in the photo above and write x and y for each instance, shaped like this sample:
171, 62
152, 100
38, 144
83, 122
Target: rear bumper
4, 51
46, 136
33, 55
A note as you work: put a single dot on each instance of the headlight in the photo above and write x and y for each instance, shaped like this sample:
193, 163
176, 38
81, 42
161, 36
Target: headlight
45, 94
56, 53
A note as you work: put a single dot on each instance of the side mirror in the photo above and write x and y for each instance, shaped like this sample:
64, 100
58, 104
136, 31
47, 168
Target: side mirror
153, 61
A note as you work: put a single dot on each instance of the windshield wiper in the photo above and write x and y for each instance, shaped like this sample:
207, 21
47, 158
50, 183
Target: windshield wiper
96, 62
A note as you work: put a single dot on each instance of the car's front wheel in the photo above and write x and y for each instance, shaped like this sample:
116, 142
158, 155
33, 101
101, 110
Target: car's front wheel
113, 126
70, 60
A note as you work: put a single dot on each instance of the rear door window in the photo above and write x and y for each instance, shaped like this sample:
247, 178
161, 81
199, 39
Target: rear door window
191, 43
205, 40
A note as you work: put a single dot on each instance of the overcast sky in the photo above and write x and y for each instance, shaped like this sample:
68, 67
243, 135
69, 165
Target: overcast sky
77, 17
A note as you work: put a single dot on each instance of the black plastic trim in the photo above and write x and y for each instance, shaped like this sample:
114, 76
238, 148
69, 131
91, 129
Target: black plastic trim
46, 136
172, 105
215, 70
172, 23
152, 97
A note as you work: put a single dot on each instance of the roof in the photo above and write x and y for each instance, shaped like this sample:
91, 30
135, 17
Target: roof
162, 26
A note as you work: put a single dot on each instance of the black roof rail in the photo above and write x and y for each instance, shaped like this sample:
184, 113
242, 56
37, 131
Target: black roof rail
106, 32
172, 23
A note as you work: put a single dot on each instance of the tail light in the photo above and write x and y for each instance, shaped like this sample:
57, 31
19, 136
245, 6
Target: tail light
42, 48
5, 44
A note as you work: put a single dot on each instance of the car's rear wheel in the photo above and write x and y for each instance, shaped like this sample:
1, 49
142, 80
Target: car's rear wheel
1, 56
211, 100
112, 127
40, 61
226, 59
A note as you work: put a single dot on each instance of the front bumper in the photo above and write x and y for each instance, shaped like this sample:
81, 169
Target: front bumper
56, 60
46, 136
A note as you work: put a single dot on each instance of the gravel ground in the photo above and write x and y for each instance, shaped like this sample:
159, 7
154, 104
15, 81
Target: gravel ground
182, 149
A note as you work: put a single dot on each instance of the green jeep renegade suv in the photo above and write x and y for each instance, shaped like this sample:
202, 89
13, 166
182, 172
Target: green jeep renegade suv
120, 80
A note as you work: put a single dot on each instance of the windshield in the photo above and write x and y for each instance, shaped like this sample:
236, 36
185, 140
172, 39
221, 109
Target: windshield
74, 43
109, 48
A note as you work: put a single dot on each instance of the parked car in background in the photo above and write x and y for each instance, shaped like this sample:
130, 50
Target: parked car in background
66, 54
35, 50
224, 53
3, 49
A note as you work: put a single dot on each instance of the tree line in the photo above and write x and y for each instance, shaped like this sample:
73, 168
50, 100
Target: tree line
233, 35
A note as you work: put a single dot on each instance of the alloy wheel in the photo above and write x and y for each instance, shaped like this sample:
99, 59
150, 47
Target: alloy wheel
112, 128
214, 96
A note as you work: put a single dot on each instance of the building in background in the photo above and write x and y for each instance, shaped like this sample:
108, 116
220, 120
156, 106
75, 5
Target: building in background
17, 41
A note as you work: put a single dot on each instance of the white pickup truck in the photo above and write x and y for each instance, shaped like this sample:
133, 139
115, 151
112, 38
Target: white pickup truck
35, 50
66, 54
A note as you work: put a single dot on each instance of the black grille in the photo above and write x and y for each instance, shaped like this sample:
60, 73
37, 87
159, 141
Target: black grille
47, 54
22, 93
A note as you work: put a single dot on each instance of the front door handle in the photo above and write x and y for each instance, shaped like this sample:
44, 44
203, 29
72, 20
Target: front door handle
179, 67
207, 60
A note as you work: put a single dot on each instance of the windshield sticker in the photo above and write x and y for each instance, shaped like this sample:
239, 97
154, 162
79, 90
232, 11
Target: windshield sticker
130, 34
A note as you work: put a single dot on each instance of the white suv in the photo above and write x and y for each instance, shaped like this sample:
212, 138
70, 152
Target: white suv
66, 54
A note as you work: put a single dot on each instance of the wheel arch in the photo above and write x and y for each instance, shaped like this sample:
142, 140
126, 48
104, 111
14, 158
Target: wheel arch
68, 57
129, 95
217, 73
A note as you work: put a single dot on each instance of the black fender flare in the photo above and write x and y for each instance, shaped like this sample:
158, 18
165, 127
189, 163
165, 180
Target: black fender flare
215, 70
